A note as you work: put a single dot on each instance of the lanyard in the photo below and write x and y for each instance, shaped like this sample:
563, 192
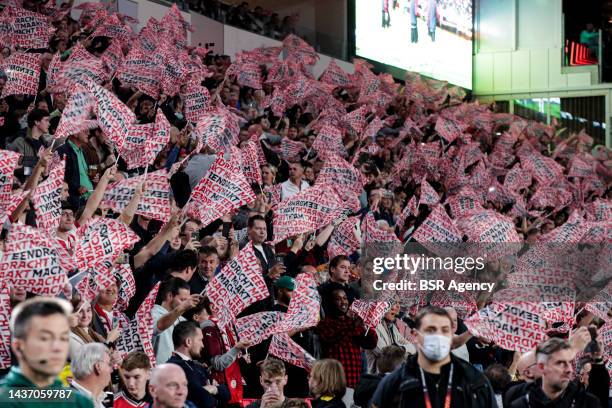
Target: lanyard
447, 399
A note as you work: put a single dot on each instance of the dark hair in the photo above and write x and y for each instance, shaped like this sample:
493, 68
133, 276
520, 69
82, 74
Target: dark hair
203, 304
134, 360
550, 346
171, 286
182, 332
336, 260
254, 218
390, 358
430, 310
499, 377
40, 306
36, 116
183, 259
208, 250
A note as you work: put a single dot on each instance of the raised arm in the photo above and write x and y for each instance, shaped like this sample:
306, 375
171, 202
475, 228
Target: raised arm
96, 197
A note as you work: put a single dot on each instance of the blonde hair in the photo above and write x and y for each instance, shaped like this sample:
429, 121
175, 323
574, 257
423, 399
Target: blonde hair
329, 377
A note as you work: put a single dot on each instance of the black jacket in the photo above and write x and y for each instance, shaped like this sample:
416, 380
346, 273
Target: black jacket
403, 389
574, 396
197, 377
333, 403
71, 175
366, 388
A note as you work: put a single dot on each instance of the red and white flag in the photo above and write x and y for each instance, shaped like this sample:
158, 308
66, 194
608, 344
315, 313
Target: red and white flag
289, 351
102, 239
8, 164
144, 142
141, 71
197, 100
494, 233
370, 312
81, 73
155, 200
290, 150
249, 74
137, 336
449, 129
356, 120
429, 196
257, 327
329, 142
570, 232
31, 261
344, 240
239, 284
334, 75
46, 199
223, 189
601, 304
218, 130
127, 285
544, 169
114, 117
113, 56
5, 331
303, 311
76, 114
28, 29
344, 177
307, 211
438, 232
22, 74
514, 326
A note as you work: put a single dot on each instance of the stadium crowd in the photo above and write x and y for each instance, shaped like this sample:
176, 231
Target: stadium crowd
181, 229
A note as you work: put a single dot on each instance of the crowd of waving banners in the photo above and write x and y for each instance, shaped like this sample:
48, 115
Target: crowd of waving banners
458, 172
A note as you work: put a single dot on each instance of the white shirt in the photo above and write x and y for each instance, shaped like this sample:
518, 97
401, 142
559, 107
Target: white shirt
462, 352
82, 390
260, 249
162, 341
181, 355
288, 189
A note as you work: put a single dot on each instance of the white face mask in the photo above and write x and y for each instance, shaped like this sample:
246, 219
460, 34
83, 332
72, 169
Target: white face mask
436, 346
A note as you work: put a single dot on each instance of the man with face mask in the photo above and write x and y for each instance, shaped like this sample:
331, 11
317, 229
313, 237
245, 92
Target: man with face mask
434, 377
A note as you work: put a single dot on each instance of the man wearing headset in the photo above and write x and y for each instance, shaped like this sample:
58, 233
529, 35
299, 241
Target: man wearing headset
40, 340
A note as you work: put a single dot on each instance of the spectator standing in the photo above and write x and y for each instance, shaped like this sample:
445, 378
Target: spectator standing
91, 368
134, 372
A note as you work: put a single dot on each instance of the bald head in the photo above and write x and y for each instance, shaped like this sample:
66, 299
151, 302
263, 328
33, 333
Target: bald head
309, 269
168, 386
527, 367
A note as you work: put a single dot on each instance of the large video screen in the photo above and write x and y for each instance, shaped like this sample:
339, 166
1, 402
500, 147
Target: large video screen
431, 37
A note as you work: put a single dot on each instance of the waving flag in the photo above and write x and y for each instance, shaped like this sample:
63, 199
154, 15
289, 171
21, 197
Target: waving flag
197, 100
239, 284
257, 327
343, 240
303, 311
141, 72
102, 239
370, 312
218, 130
144, 142
31, 261
8, 163
328, 142
22, 73
221, 190
47, 203
29, 29
114, 117
76, 114
288, 350
334, 75
5, 332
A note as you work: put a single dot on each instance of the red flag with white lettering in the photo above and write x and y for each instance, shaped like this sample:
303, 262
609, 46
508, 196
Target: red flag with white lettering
46, 199
22, 73
288, 350
239, 284
31, 261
